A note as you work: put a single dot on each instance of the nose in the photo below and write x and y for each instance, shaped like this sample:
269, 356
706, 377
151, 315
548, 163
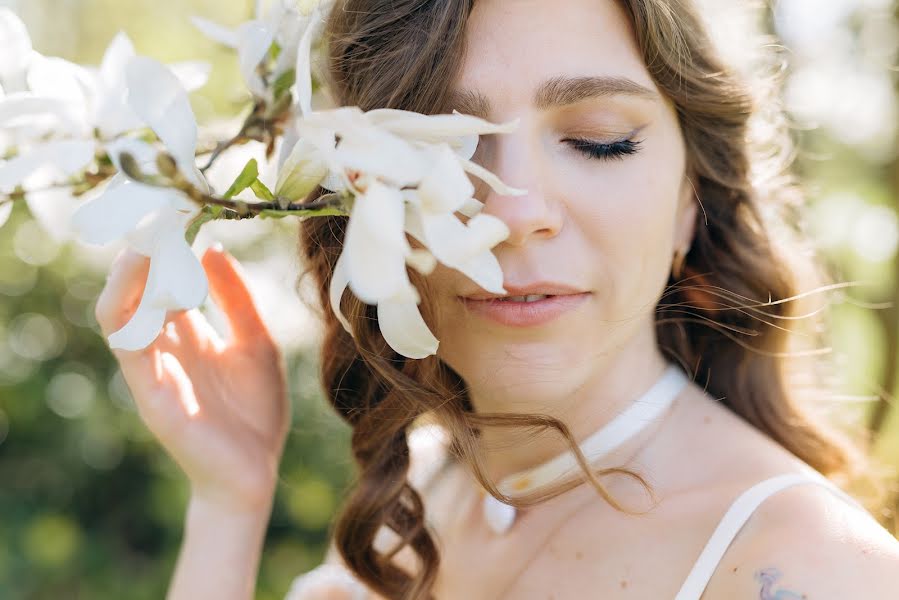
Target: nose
534, 215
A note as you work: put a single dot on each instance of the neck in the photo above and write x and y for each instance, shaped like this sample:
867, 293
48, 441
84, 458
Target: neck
586, 401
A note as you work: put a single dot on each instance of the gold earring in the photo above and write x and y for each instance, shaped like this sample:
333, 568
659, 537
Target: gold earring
678, 263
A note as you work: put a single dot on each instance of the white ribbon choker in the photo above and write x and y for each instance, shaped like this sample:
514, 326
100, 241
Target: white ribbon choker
641, 413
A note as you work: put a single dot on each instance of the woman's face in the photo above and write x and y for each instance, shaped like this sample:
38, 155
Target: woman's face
607, 226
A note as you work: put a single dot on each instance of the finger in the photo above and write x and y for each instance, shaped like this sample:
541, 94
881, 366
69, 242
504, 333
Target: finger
193, 333
228, 287
116, 305
195, 330
124, 287
169, 339
143, 369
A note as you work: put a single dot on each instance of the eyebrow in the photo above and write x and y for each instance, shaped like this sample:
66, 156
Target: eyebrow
559, 91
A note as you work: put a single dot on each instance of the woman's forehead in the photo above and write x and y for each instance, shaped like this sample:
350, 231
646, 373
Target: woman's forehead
532, 48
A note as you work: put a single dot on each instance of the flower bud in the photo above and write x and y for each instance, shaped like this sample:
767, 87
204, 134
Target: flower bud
130, 167
165, 162
301, 172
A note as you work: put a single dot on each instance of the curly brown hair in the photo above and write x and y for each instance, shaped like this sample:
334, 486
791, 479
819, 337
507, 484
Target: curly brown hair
739, 280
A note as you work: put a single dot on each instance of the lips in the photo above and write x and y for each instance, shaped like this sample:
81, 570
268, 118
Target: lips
542, 288
525, 314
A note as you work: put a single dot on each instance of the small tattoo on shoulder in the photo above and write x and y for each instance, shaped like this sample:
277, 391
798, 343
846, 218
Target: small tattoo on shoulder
767, 578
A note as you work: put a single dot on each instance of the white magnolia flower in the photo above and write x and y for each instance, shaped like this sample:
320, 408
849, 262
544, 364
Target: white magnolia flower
290, 24
152, 219
407, 173
15, 53
56, 114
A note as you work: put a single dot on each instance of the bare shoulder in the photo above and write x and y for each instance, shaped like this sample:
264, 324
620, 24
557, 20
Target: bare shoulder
807, 542
804, 541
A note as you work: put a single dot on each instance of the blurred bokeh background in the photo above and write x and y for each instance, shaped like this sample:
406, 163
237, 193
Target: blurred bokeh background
91, 507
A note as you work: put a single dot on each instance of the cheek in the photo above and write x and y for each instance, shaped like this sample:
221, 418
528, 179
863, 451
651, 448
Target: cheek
627, 218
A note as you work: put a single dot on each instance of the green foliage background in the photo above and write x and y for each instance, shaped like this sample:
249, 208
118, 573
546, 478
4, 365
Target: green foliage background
91, 507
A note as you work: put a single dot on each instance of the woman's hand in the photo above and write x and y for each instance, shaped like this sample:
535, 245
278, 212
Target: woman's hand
219, 408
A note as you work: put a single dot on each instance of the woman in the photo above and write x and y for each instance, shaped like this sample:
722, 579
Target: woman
633, 147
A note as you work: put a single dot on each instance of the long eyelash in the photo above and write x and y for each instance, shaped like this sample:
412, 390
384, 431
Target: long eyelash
615, 150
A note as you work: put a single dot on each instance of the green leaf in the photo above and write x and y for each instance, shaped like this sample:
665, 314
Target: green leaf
261, 191
283, 83
275, 50
244, 180
208, 213
319, 212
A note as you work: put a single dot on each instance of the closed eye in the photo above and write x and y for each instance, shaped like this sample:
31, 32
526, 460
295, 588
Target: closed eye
615, 150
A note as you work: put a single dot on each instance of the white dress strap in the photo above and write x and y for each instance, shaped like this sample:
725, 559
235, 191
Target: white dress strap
734, 519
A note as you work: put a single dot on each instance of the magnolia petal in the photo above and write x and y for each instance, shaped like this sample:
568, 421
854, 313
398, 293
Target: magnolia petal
112, 115
52, 207
333, 182
485, 231
305, 7
405, 330
317, 17
254, 38
15, 50
464, 247
484, 269
465, 146
341, 120
66, 157
181, 281
215, 32
117, 211
174, 217
325, 142
301, 172
380, 212
339, 281
445, 188
143, 328
286, 147
435, 128
382, 155
287, 24
52, 77
422, 260
5, 211
119, 51
193, 74
414, 224
303, 86
141, 151
471, 207
448, 238
144, 238
16, 109
157, 97
376, 244
490, 179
